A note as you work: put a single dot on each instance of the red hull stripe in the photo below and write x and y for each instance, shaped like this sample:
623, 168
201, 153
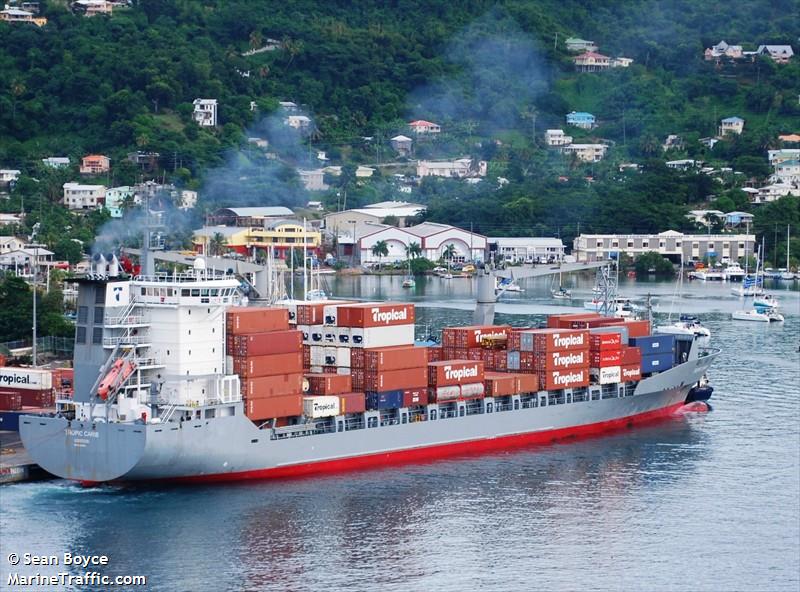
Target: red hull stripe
430, 452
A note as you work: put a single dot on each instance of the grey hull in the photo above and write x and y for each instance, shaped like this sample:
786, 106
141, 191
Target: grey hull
233, 447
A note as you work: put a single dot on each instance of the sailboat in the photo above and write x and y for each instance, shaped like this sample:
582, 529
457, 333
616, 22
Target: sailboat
787, 275
561, 293
759, 313
409, 281
686, 324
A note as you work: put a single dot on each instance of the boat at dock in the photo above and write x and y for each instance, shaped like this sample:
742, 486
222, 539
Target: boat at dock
215, 392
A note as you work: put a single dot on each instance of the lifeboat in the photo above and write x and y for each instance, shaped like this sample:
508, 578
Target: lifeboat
119, 372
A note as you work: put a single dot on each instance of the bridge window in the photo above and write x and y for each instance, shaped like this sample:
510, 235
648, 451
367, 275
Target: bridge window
80, 335
97, 335
185, 292
99, 296
83, 314
98, 315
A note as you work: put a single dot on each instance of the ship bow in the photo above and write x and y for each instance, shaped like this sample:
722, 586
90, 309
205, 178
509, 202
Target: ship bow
83, 451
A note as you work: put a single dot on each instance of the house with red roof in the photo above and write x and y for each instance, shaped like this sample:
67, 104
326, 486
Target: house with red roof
420, 126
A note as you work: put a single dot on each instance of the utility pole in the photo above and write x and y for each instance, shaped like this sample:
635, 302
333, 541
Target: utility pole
35, 269
555, 43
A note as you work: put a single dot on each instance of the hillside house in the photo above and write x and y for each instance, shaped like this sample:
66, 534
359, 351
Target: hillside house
95, 164
672, 142
93, 7
591, 62
587, 152
364, 172
780, 54
10, 243
313, 179
17, 15
557, 138
9, 219
460, 168
401, 144
621, 62
116, 196
9, 176
205, 112
776, 157
298, 122
580, 45
683, 164
420, 126
83, 197
288, 106
770, 193
56, 162
789, 138
709, 142
722, 49
581, 119
731, 125
787, 171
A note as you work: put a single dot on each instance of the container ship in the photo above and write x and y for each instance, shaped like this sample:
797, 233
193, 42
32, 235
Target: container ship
174, 380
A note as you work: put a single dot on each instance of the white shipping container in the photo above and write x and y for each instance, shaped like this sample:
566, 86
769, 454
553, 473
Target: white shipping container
343, 357
306, 331
446, 393
388, 336
292, 314
472, 390
343, 371
330, 356
316, 335
31, 379
608, 375
343, 336
229, 365
356, 337
321, 406
315, 369
329, 315
330, 336
317, 355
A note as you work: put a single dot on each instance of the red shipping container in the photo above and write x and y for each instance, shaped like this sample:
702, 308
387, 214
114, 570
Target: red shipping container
378, 359
501, 360
257, 366
605, 359
527, 383
311, 314
455, 372
272, 386
499, 384
2, 360
563, 321
631, 373
475, 335
549, 340
357, 378
383, 314
306, 356
352, 403
475, 353
329, 383
604, 322
266, 344
30, 398
392, 380
631, 356
605, 341
563, 360
434, 354
248, 320
560, 379
638, 328
274, 407
356, 357
414, 397
10, 401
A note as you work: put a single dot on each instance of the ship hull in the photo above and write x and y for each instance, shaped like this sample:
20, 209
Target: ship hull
233, 448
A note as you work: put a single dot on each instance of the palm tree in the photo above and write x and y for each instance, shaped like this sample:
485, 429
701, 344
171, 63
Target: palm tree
380, 250
217, 243
449, 252
413, 250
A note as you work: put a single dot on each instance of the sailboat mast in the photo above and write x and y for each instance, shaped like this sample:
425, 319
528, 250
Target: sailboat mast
305, 255
787, 248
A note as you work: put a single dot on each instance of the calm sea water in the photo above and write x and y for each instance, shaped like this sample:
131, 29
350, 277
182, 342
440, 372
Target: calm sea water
700, 502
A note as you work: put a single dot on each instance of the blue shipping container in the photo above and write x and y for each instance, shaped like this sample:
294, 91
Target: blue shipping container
653, 344
384, 400
657, 362
512, 361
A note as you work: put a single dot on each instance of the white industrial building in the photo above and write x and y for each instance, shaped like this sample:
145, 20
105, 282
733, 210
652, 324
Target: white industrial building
356, 223
694, 247
434, 239
527, 248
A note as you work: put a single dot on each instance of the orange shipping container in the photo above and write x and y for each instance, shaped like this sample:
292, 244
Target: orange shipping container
352, 403
561, 379
564, 321
632, 373
378, 359
274, 407
562, 360
631, 356
455, 372
605, 359
257, 366
266, 344
384, 314
550, 340
247, 320
638, 328
391, 380
475, 335
329, 384
272, 386
605, 341
499, 384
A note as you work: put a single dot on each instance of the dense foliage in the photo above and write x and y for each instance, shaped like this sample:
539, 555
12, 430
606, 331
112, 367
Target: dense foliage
16, 311
494, 74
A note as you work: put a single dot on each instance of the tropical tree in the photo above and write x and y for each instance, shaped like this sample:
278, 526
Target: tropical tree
380, 250
449, 252
217, 244
413, 250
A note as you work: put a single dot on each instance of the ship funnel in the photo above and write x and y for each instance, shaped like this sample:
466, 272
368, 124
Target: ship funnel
113, 266
99, 265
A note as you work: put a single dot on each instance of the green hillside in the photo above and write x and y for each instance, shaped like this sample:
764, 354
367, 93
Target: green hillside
495, 75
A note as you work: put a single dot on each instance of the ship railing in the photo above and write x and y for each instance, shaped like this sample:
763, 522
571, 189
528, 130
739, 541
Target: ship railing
125, 320
123, 340
167, 413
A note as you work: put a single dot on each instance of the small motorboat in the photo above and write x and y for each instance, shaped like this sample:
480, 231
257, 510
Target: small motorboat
561, 294
409, 282
686, 325
765, 315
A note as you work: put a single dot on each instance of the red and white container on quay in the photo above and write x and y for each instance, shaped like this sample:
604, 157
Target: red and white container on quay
391, 336
455, 372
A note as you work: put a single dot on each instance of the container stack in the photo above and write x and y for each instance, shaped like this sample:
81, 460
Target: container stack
267, 355
657, 352
451, 380
605, 355
477, 342
26, 387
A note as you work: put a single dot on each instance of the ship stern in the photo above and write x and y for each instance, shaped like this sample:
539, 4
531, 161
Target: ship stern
86, 451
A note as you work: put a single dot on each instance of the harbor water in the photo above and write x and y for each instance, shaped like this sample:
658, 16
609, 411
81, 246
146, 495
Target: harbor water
702, 501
